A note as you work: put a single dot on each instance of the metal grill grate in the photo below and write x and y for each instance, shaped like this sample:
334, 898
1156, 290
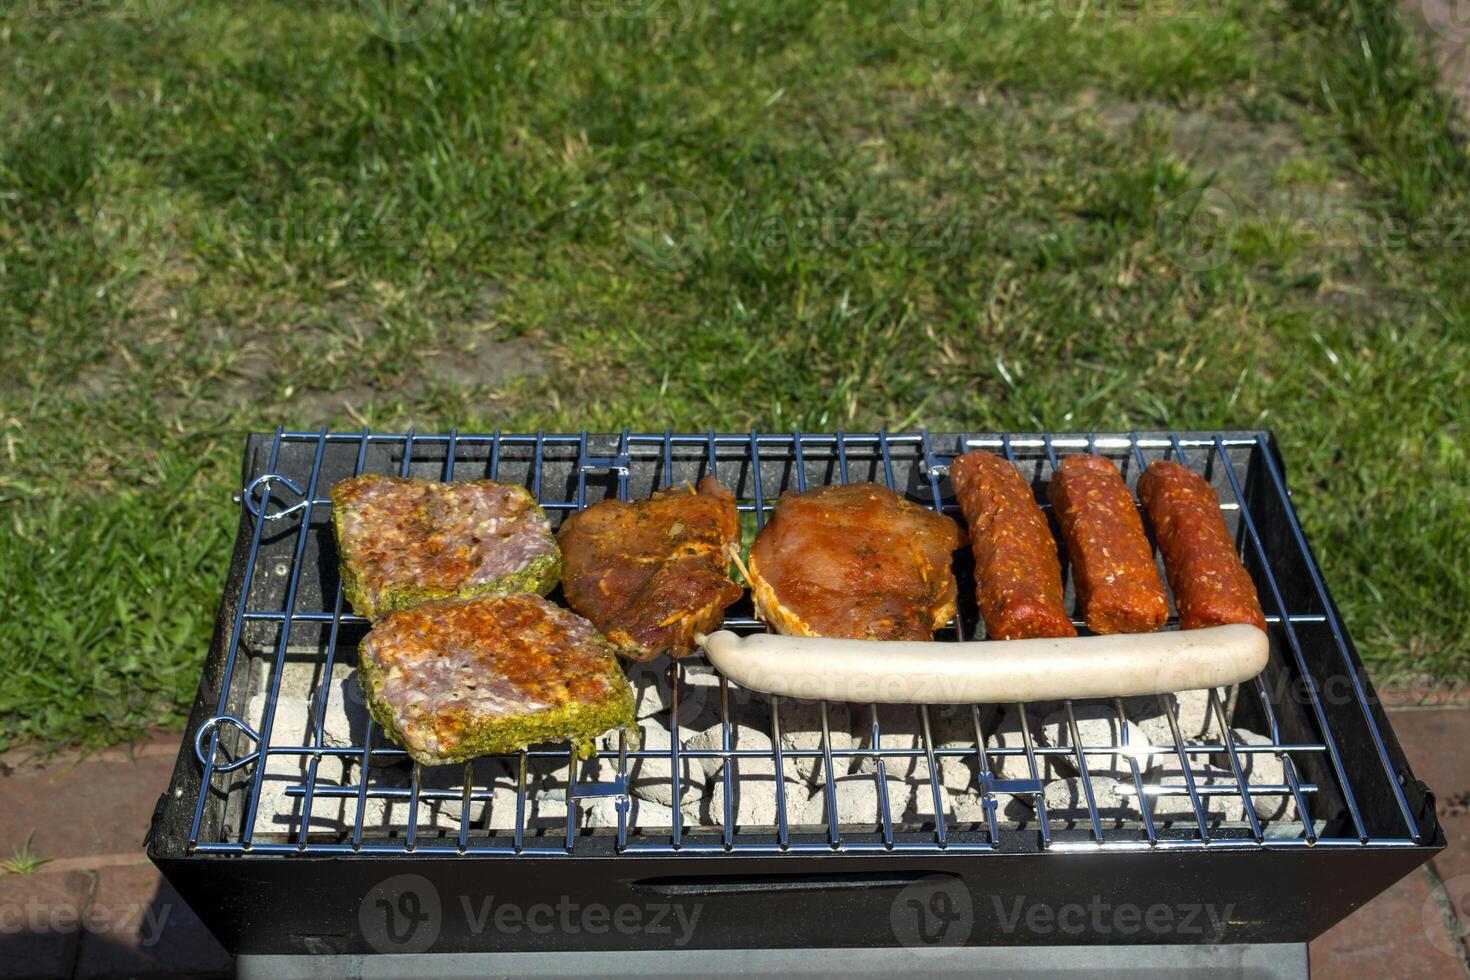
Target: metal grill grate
292, 764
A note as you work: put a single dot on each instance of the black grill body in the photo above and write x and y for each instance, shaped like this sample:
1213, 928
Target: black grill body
413, 860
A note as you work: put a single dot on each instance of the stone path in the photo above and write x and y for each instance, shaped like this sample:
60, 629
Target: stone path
1419, 927
98, 909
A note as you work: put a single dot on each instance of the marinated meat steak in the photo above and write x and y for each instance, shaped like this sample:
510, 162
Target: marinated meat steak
652, 573
402, 542
854, 561
452, 680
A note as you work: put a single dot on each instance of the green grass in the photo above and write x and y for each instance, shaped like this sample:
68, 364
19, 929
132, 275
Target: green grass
222, 217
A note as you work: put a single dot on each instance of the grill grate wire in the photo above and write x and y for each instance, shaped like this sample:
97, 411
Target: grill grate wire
842, 832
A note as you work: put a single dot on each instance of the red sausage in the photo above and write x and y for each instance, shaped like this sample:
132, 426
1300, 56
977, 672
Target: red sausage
1112, 564
1211, 586
1018, 580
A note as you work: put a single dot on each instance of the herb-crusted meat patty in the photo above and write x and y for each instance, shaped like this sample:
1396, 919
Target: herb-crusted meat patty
452, 680
402, 542
855, 561
652, 573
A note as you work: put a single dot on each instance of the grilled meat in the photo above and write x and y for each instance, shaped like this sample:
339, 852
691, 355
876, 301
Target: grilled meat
854, 561
651, 573
402, 542
452, 680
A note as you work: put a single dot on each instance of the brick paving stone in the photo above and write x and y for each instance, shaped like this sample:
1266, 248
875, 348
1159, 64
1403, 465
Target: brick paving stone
139, 927
1398, 934
1437, 743
59, 802
40, 923
154, 742
1423, 692
1402, 932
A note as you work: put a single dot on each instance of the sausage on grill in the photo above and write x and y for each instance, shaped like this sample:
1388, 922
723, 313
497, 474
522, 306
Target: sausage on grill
921, 672
1112, 564
1211, 586
1018, 580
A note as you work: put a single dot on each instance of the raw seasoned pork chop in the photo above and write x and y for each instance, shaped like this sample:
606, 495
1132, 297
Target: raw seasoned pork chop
402, 542
854, 561
652, 573
452, 680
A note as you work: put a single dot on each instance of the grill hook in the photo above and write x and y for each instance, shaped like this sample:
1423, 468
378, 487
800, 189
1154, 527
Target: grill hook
255, 503
209, 726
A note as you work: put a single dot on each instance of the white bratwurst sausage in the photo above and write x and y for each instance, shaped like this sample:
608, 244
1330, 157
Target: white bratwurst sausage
989, 671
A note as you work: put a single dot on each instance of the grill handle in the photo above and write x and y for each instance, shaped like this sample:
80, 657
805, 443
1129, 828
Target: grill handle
695, 886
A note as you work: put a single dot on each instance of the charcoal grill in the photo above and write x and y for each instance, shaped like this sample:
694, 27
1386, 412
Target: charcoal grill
292, 826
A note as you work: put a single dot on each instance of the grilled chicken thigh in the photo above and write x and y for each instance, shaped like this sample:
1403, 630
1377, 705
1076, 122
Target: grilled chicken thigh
854, 561
651, 573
